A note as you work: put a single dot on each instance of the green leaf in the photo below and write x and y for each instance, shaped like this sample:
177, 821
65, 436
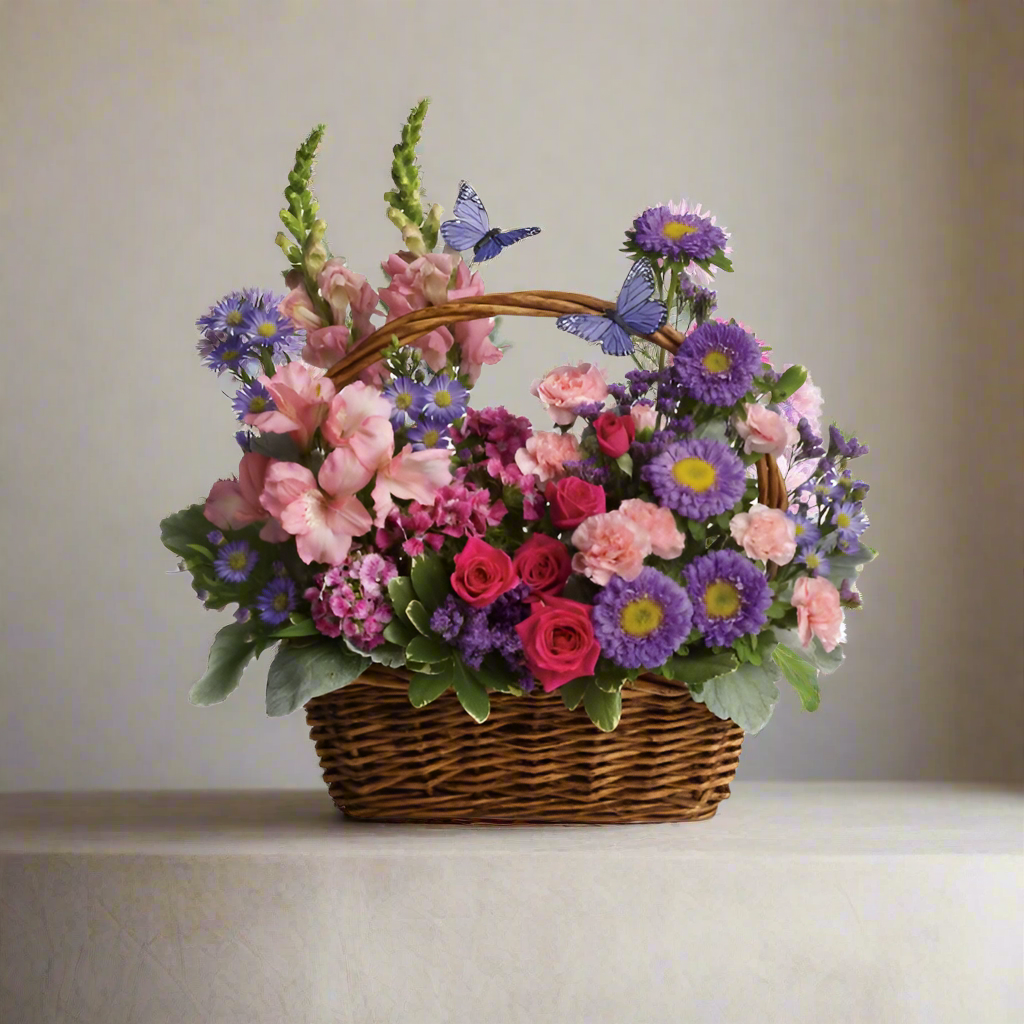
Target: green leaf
572, 692
777, 609
604, 709
182, 529
418, 616
848, 566
697, 530
699, 667
719, 260
203, 550
232, 649
625, 463
430, 581
424, 689
747, 696
398, 633
388, 655
801, 674
303, 627
471, 693
826, 662
494, 675
427, 649
400, 592
300, 672
789, 383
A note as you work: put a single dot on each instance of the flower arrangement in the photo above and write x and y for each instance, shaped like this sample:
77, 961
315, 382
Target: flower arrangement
389, 521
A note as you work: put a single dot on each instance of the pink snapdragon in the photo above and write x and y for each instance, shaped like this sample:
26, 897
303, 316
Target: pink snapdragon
765, 533
413, 476
818, 612
322, 521
565, 388
610, 544
298, 307
764, 431
344, 289
658, 523
545, 453
358, 425
301, 396
234, 504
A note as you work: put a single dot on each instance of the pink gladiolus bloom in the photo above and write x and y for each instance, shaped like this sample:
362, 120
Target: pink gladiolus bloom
323, 524
233, 504
358, 425
414, 476
301, 398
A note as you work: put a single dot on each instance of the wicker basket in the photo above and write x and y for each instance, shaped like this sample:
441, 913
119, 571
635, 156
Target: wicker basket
533, 760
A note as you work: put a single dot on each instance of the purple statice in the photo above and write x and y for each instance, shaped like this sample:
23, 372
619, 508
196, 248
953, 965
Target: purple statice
215, 537
589, 469
351, 599
277, 600
640, 382
589, 410
235, 561
806, 530
702, 300
446, 399
243, 438
641, 623
850, 522
252, 399
697, 478
817, 564
428, 435
449, 618
229, 315
243, 614
810, 445
678, 232
619, 393
846, 448
407, 398
730, 596
717, 362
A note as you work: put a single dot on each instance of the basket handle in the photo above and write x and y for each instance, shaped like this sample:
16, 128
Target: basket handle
771, 487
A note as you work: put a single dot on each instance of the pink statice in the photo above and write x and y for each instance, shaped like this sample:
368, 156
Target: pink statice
350, 599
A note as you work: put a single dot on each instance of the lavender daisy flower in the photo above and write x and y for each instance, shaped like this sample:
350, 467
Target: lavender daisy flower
276, 601
678, 232
234, 354
243, 614
235, 561
428, 435
698, 479
208, 342
215, 537
848, 489
228, 315
716, 363
271, 328
641, 623
407, 398
850, 522
846, 448
817, 564
251, 399
730, 596
446, 399
808, 533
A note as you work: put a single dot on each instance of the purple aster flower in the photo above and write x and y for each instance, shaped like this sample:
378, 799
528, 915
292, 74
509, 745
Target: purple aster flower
260, 298
850, 522
277, 600
428, 435
446, 399
243, 438
215, 537
251, 399
208, 342
243, 614
271, 328
807, 531
227, 315
235, 561
846, 448
678, 232
848, 489
816, 562
698, 478
407, 398
234, 353
641, 623
730, 596
717, 362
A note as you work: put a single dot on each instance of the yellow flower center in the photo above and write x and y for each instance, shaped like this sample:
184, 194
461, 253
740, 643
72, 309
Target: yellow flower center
431, 437
697, 474
641, 617
812, 561
230, 356
238, 559
799, 529
258, 404
721, 600
234, 318
442, 399
281, 603
266, 330
843, 521
403, 400
677, 229
717, 362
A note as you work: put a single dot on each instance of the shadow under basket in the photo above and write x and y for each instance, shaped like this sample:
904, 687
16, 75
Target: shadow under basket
533, 760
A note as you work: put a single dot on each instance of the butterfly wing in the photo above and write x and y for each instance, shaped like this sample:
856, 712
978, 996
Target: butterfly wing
471, 222
504, 238
598, 329
635, 305
486, 248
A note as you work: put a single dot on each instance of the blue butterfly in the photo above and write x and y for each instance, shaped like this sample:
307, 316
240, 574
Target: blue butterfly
635, 312
471, 228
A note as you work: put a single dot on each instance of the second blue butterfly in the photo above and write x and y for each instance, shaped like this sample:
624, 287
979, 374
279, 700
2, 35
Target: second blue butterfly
471, 228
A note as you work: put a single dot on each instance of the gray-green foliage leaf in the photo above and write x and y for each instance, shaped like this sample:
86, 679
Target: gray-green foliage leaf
848, 566
418, 616
430, 581
304, 627
572, 692
300, 672
698, 667
424, 689
471, 693
604, 709
826, 662
400, 592
232, 648
427, 649
180, 530
398, 633
802, 675
747, 696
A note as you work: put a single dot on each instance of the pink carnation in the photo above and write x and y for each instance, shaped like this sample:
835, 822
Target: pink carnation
610, 544
568, 387
658, 523
765, 533
765, 432
818, 612
544, 454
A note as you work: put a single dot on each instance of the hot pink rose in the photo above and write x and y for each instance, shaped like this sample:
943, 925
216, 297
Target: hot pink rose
343, 288
301, 397
543, 564
298, 307
545, 452
233, 504
765, 533
645, 417
765, 431
558, 642
608, 545
572, 500
568, 387
614, 433
482, 573
818, 612
658, 523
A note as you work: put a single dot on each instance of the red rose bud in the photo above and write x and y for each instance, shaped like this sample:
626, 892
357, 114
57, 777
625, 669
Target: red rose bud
482, 573
614, 433
543, 564
558, 642
572, 500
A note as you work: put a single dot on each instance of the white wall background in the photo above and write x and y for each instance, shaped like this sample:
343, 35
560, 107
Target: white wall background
866, 156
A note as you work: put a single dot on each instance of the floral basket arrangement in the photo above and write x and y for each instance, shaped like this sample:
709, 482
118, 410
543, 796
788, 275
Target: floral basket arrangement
488, 622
